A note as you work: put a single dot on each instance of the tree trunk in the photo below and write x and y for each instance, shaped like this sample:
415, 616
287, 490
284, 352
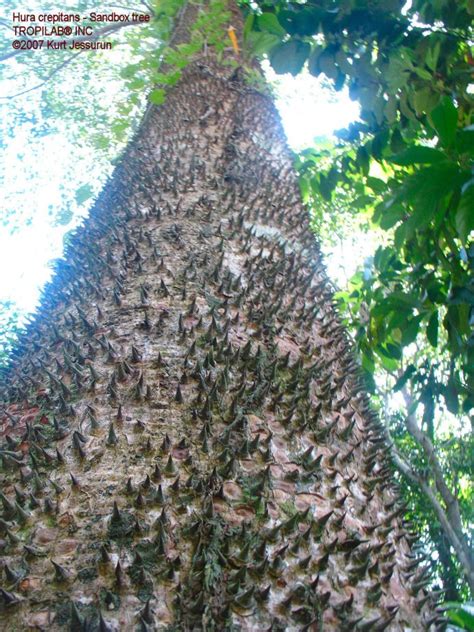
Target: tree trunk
187, 445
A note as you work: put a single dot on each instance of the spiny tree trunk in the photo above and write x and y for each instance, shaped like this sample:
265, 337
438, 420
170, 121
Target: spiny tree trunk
186, 442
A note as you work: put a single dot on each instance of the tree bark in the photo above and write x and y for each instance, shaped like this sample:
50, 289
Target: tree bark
187, 444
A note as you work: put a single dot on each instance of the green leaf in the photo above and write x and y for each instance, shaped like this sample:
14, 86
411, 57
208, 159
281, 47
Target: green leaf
462, 614
289, 56
397, 144
325, 187
444, 118
425, 100
391, 216
389, 362
368, 363
269, 22
313, 61
405, 108
83, 193
129, 71
157, 97
399, 68
305, 189
464, 217
248, 25
452, 323
460, 295
136, 84
403, 300
376, 184
432, 55
363, 159
432, 329
300, 21
379, 142
451, 396
418, 154
422, 73
402, 234
261, 43
398, 319
327, 64
384, 258
465, 141
343, 62
168, 78
403, 379
410, 331
101, 141
393, 351
427, 191
390, 109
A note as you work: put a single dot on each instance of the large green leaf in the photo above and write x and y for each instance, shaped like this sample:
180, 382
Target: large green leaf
432, 329
289, 56
451, 396
269, 22
402, 300
418, 154
376, 184
327, 64
425, 99
300, 20
399, 69
313, 61
461, 613
261, 42
465, 141
248, 25
432, 54
403, 379
427, 190
445, 119
464, 217
391, 216
462, 294
387, 357
410, 330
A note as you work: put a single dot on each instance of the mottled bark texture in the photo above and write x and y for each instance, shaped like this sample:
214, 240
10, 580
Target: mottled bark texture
185, 442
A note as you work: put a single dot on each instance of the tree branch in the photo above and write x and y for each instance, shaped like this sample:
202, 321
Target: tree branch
451, 535
457, 541
451, 502
149, 7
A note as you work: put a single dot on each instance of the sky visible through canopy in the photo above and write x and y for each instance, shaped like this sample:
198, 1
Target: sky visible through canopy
37, 181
